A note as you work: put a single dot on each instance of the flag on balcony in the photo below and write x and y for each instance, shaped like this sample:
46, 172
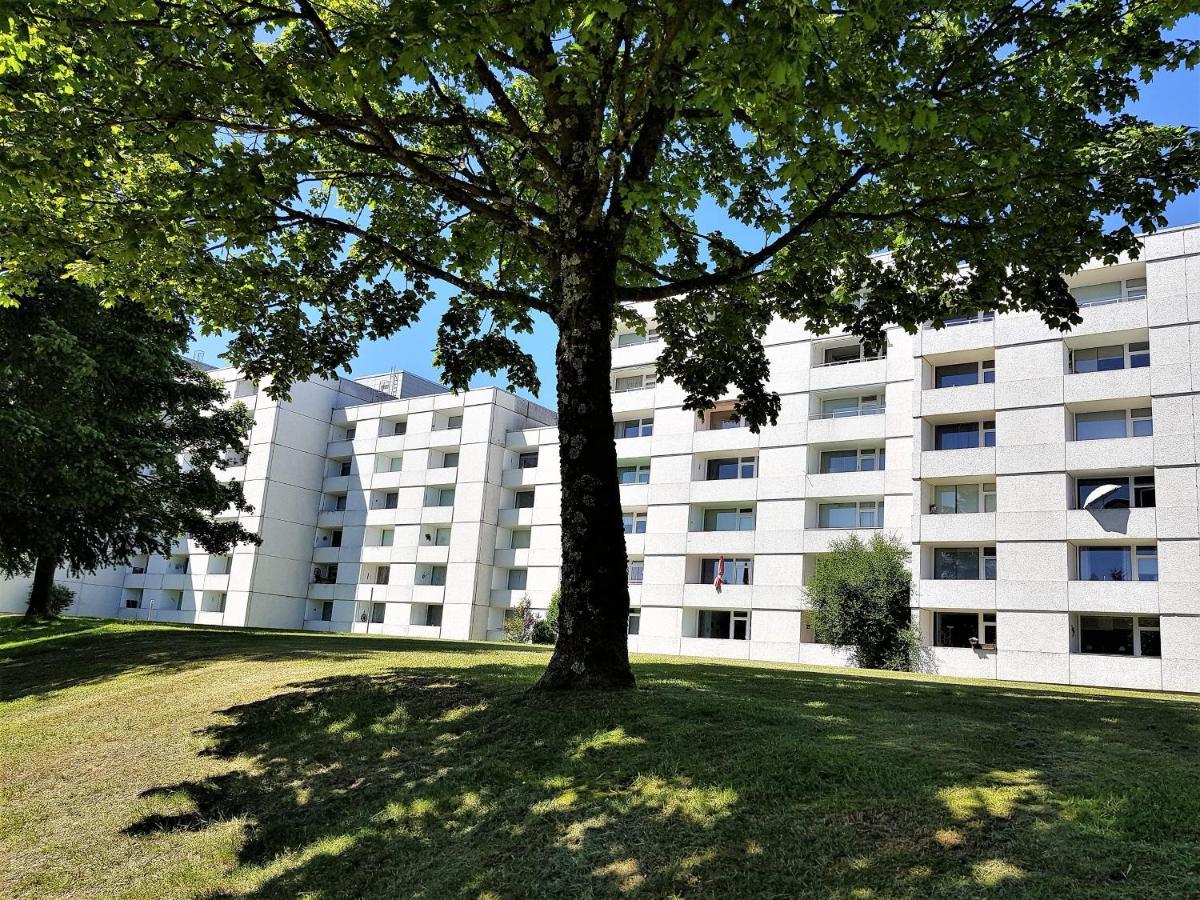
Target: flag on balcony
720, 579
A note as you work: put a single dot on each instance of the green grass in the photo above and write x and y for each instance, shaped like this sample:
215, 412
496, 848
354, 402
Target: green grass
157, 761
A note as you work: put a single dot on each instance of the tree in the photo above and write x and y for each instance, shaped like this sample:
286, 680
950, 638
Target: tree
305, 174
859, 594
108, 438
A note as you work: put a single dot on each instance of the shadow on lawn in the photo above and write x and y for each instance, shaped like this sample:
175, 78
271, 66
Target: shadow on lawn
709, 780
71, 652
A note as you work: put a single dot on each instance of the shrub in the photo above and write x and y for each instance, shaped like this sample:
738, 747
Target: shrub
61, 597
859, 594
519, 623
545, 631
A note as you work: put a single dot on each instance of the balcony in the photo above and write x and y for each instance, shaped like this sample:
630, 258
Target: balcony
428, 593
433, 553
1103, 524
846, 484
331, 518
632, 401
969, 398
731, 596
437, 515
949, 527
954, 594
338, 484
727, 490
725, 440
510, 558
1123, 314
521, 477
1120, 384
721, 543
847, 374
1113, 597
1109, 453
633, 447
828, 428
969, 334
339, 449
819, 540
1142, 673
958, 463
508, 518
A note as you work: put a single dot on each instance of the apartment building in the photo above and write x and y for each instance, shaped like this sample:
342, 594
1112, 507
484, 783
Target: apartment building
1046, 482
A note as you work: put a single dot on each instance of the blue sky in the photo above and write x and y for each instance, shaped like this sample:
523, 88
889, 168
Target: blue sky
1171, 99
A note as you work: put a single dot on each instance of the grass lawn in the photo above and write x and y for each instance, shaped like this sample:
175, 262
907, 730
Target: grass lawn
158, 761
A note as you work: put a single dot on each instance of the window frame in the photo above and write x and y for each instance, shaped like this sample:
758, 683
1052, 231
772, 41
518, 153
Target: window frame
982, 626
740, 515
740, 464
736, 617
640, 471
1152, 624
644, 426
984, 373
983, 553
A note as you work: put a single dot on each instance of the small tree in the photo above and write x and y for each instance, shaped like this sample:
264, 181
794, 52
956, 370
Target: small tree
61, 597
545, 630
108, 438
859, 594
518, 627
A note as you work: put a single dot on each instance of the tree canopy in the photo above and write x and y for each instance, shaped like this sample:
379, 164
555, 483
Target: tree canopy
109, 438
304, 174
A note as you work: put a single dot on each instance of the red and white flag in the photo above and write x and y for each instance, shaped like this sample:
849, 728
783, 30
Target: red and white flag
720, 579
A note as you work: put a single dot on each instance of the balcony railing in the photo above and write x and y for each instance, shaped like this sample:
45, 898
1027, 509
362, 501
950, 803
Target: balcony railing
846, 362
1108, 301
851, 413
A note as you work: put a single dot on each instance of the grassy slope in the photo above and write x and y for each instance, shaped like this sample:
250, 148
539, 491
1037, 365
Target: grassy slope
151, 761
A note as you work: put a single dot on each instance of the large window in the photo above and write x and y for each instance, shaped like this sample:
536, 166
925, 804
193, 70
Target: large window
527, 460
963, 498
1111, 357
838, 407
734, 467
964, 563
964, 435
1114, 492
433, 615
636, 382
635, 571
1114, 423
734, 571
1110, 292
517, 579
1120, 635
634, 473
635, 621
720, 419
863, 459
729, 519
523, 499
723, 624
851, 514
440, 497
520, 539
634, 339
985, 316
634, 522
631, 428
1118, 563
965, 629
847, 353
962, 374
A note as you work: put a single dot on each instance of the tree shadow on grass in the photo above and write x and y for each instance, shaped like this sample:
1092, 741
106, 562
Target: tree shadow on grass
710, 780
70, 652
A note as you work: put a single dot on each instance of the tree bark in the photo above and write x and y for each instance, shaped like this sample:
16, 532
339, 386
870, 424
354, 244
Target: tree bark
39, 593
592, 650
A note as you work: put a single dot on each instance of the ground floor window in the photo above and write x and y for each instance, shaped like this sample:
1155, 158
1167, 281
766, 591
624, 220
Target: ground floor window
327, 611
1120, 635
965, 629
433, 615
635, 621
723, 624
377, 611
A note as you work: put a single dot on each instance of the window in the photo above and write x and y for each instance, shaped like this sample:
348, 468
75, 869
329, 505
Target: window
964, 435
327, 611
400, 428
344, 467
735, 467
632, 428
391, 500
867, 459
635, 621
1114, 423
520, 538
350, 432
1120, 635
723, 624
133, 599
441, 497
517, 579
741, 519
1118, 563
528, 460
962, 374
377, 611
383, 574
213, 601
1111, 357
719, 420
1139, 354
964, 629
838, 407
964, 563
635, 570
437, 576
523, 499
396, 463
735, 571
1114, 492
847, 353
339, 502
623, 383
454, 421
851, 514
386, 537
634, 473
441, 537
325, 574
1110, 292
433, 615
963, 498
450, 460
634, 522
633, 338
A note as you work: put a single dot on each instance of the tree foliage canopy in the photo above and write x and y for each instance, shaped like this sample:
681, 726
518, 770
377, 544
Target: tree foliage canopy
859, 594
108, 436
305, 173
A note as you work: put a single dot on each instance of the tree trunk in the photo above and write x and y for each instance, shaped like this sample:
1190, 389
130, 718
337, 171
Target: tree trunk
39, 594
592, 650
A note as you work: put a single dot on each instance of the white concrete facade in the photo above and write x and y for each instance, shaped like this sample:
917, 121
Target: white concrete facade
389, 505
